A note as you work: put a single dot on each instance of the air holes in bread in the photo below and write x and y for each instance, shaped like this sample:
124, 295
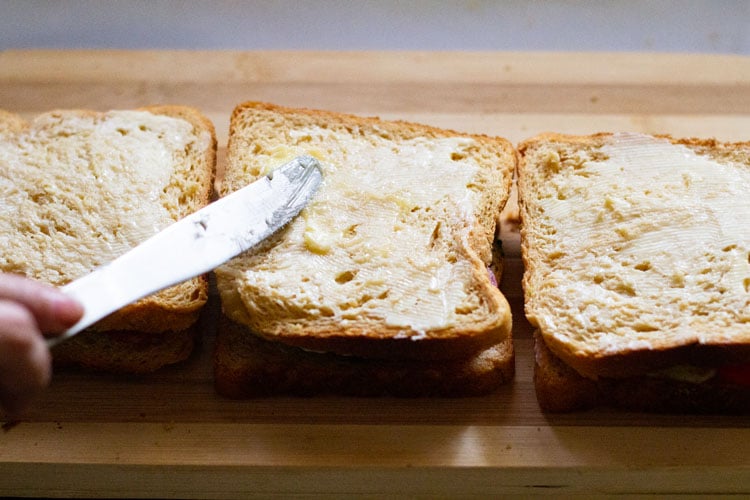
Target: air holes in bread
643, 266
435, 235
345, 277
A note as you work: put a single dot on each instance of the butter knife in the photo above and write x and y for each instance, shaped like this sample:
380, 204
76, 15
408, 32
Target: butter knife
196, 244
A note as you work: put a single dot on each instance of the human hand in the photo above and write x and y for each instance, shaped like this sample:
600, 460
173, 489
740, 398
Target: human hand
29, 310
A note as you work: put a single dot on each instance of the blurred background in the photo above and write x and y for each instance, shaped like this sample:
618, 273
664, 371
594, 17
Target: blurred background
703, 26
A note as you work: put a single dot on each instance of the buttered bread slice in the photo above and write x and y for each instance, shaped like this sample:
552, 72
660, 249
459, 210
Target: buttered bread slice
79, 188
390, 259
637, 251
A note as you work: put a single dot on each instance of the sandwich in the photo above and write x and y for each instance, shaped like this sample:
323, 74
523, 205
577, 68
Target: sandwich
637, 271
386, 284
78, 189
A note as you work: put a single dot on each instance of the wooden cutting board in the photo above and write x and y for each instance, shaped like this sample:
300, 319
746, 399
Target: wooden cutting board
168, 434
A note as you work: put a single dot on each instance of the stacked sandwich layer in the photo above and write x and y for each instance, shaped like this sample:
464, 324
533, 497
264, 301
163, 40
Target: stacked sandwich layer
637, 255
79, 188
383, 284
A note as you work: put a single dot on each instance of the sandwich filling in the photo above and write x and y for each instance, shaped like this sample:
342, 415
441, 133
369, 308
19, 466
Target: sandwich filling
727, 374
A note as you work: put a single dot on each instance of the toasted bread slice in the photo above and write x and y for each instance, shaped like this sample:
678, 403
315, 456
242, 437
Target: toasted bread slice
636, 252
390, 259
83, 187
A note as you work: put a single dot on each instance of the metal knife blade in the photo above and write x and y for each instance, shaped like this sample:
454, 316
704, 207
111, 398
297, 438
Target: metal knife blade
196, 244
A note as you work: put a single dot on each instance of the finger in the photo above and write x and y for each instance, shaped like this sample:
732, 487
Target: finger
51, 308
25, 360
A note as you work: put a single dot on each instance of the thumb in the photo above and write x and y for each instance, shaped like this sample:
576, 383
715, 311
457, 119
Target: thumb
51, 308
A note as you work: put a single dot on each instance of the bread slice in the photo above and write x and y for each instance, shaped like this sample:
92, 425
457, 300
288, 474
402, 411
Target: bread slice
81, 187
677, 389
637, 257
391, 258
247, 365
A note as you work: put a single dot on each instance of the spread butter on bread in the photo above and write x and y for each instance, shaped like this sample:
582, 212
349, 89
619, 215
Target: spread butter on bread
390, 259
79, 188
637, 266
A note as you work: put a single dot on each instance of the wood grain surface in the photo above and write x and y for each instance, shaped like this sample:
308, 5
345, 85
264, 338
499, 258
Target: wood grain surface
168, 435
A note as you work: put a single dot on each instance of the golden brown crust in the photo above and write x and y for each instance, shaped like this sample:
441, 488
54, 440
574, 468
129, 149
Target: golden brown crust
660, 354
415, 129
158, 315
247, 366
379, 340
599, 138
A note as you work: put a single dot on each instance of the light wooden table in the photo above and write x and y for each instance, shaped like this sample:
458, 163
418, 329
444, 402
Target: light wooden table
169, 435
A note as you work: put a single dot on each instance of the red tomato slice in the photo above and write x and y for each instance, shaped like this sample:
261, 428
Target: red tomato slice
735, 374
